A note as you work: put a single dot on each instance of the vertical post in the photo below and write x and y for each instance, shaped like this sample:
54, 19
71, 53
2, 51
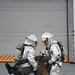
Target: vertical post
71, 26
67, 29
74, 25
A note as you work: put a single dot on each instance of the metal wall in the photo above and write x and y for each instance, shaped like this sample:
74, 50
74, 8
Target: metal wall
20, 18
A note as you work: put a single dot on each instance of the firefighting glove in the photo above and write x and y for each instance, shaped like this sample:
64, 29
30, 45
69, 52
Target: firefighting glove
49, 62
35, 69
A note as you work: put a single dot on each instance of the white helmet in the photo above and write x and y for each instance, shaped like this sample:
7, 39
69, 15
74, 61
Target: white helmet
32, 38
46, 35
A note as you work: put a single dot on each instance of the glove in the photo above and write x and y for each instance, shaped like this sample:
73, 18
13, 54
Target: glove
49, 62
35, 68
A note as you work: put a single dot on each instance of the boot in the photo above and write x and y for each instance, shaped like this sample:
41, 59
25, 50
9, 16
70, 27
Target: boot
16, 72
8, 67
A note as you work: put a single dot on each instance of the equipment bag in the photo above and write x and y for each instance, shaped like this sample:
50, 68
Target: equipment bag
59, 43
62, 50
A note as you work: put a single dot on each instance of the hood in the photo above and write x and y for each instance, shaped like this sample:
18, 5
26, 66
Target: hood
29, 42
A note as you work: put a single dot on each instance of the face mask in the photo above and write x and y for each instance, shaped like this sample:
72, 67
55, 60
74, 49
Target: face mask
45, 42
35, 45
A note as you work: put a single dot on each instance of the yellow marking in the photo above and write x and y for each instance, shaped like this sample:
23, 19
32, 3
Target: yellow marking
7, 58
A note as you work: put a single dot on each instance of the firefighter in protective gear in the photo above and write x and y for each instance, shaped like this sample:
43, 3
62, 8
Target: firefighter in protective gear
51, 49
29, 64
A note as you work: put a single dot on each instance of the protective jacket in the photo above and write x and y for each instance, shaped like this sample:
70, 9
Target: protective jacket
55, 52
29, 55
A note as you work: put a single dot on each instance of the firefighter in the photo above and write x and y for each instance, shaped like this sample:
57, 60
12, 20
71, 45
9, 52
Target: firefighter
27, 63
53, 50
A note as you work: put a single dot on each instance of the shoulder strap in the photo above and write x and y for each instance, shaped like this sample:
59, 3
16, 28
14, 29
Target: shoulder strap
54, 43
24, 46
51, 45
28, 45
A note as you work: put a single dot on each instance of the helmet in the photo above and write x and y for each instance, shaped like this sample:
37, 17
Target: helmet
32, 38
46, 36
